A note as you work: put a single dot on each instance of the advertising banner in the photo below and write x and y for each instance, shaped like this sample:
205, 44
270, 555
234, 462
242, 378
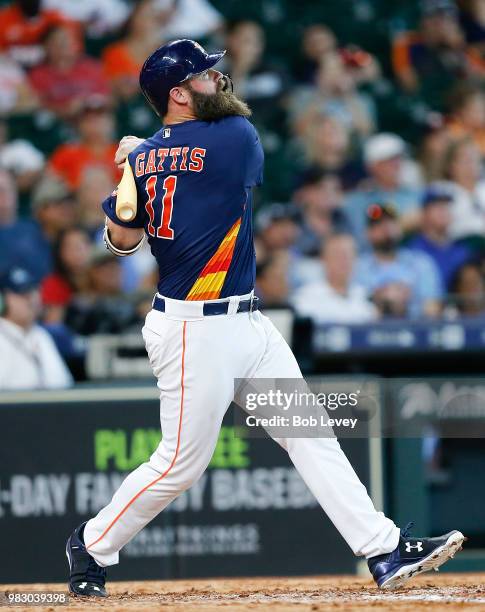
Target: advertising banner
63, 454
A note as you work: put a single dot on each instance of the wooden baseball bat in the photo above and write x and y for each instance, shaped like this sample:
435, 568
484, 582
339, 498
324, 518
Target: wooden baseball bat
126, 195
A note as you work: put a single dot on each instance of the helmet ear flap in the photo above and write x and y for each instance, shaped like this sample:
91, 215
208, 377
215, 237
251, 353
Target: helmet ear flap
177, 73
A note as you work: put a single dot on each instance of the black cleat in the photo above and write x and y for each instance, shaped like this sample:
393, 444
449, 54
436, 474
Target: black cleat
413, 556
86, 577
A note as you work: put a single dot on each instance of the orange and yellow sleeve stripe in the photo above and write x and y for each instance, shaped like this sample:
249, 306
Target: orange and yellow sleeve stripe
209, 284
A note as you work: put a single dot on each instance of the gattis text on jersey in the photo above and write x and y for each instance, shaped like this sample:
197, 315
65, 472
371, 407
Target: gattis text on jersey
171, 159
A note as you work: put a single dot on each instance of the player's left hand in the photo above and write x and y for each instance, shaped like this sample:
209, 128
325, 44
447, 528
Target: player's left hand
126, 146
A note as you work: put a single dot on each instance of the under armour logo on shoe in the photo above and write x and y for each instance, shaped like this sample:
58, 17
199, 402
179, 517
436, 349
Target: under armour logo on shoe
84, 584
418, 546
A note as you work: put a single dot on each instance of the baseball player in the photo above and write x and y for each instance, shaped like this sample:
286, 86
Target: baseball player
192, 183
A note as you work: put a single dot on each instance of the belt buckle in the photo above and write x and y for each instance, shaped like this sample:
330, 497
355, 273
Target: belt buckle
251, 303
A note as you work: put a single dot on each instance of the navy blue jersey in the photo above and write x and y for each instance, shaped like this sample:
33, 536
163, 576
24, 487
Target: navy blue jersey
194, 183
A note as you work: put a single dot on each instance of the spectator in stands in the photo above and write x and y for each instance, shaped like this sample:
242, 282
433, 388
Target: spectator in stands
123, 59
8, 206
401, 282
96, 183
334, 93
462, 171
21, 158
134, 116
468, 115
326, 145
277, 230
67, 76
21, 243
272, 275
392, 294
427, 62
317, 41
190, 19
276, 226
434, 238
468, 290
258, 82
30, 359
95, 147
336, 298
385, 162
433, 149
102, 307
363, 66
71, 256
8, 200
472, 21
105, 278
320, 199
24, 24
53, 210
99, 17
16, 95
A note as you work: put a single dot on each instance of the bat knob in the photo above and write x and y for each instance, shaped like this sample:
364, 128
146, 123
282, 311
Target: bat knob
126, 213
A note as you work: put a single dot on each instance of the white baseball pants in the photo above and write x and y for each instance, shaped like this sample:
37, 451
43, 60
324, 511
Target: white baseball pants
195, 360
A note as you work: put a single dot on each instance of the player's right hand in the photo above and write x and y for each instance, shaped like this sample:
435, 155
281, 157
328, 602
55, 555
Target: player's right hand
126, 146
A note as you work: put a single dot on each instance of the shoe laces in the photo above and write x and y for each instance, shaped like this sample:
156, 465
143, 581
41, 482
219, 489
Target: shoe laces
406, 532
96, 573
386, 557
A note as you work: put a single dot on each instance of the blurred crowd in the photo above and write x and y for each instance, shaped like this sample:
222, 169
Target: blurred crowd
373, 205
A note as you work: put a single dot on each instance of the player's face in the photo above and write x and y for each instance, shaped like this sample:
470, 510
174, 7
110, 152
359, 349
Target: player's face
208, 82
212, 98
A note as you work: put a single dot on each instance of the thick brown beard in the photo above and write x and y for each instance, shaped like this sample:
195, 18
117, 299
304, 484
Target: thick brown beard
211, 107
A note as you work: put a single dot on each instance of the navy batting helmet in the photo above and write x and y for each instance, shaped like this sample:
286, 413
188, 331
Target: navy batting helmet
171, 65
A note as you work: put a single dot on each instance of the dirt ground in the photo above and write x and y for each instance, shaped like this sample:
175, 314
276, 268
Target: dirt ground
430, 591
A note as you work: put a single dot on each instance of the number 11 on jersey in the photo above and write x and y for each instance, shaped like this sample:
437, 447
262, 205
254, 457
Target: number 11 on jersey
169, 185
